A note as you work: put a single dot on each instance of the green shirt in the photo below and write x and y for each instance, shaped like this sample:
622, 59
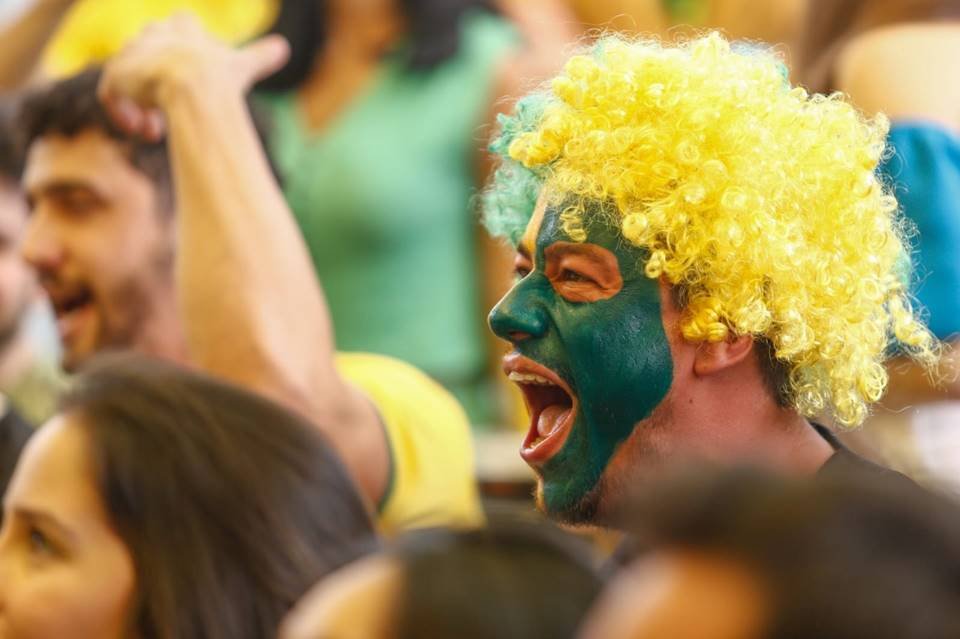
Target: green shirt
383, 197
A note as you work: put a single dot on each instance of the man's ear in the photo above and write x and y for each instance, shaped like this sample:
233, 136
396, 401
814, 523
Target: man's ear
714, 357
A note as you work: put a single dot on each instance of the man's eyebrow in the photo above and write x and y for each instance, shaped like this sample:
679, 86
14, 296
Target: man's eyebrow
524, 252
63, 187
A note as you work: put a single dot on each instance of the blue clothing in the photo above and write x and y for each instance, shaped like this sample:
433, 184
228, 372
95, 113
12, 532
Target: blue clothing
925, 172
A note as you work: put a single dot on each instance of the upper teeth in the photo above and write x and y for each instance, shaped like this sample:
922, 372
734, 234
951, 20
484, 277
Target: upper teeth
529, 378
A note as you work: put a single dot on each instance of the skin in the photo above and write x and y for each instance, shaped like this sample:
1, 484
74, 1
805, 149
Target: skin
357, 602
567, 313
96, 227
682, 595
64, 571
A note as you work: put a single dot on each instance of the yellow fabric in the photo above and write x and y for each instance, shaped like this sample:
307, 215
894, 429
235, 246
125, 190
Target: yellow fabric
433, 480
96, 29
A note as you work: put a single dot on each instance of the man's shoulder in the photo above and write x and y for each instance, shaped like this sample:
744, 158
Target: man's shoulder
431, 449
845, 462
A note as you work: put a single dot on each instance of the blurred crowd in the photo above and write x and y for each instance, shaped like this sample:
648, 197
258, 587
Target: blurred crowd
274, 274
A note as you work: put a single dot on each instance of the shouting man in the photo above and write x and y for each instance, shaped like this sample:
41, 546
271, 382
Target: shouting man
705, 261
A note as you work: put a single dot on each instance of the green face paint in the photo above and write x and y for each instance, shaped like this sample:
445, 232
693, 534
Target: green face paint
611, 353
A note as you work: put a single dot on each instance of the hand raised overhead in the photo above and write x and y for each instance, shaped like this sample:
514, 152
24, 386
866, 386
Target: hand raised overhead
177, 55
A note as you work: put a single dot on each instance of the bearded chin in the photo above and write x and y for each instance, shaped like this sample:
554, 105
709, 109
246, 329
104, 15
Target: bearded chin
582, 512
634, 460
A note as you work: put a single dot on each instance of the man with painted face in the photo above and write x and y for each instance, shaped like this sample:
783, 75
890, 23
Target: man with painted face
705, 262
130, 261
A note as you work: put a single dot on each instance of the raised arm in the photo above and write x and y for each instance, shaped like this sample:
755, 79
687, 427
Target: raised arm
251, 305
24, 37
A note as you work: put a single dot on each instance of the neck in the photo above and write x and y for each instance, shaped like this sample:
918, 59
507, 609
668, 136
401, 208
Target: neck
781, 440
370, 29
163, 336
736, 420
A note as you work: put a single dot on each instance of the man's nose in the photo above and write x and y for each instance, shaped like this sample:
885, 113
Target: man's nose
41, 246
521, 314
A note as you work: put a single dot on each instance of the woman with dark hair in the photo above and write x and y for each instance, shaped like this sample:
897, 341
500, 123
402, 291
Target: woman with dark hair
163, 504
378, 134
751, 554
513, 580
902, 58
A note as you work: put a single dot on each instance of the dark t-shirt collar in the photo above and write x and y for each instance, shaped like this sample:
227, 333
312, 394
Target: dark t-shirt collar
844, 461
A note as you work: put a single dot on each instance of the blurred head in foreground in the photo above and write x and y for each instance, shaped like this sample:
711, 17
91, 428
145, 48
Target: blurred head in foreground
511, 581
162, 503
746, 554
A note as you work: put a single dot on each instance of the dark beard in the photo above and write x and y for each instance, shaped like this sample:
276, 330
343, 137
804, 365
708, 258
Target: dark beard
134, 310
602, 504
125, 330
583, 512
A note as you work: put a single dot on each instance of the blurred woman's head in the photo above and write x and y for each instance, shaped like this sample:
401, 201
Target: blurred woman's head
164, 504
747, 554
432, 27
512, 580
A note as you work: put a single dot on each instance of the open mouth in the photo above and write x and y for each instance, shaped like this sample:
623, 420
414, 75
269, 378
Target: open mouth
551, 404
70, 308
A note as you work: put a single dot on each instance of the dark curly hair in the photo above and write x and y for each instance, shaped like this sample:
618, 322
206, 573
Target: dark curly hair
71, 106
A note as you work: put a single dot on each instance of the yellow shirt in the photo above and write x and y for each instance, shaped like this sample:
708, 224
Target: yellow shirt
432, 480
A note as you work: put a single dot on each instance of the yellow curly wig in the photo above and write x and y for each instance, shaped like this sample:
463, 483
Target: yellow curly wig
759, 199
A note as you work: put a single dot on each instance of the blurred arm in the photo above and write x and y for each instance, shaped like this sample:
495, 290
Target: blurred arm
908, 72
252, 307
24, 38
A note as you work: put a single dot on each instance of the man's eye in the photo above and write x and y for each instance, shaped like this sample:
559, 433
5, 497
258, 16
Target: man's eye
566, 275
77, 204
521, 272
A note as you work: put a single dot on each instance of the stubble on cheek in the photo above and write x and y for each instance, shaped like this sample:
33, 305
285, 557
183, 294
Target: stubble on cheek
642, 455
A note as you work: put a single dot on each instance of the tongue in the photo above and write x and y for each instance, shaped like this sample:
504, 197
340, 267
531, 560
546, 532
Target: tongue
550, 418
